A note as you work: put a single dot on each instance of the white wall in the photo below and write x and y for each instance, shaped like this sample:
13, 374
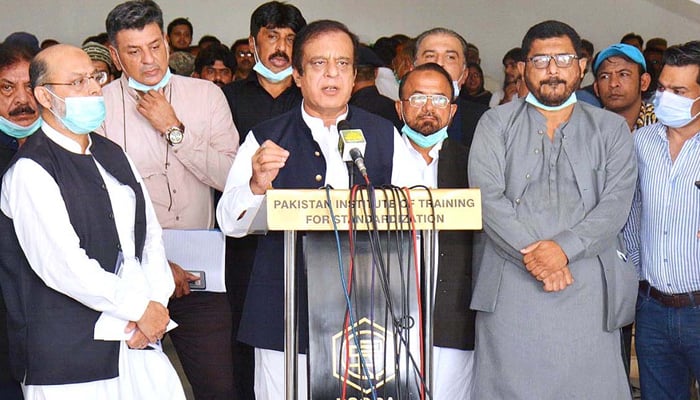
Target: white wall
493, 25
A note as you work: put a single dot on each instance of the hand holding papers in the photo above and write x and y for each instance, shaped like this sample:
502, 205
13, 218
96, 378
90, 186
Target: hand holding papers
199, 250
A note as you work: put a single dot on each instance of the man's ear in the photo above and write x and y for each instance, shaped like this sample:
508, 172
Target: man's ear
251, 43
297, 77
582, 62
644, 81
115, 58
397, 106
42, 96
167, 43
453, 111
464, 76
521, 68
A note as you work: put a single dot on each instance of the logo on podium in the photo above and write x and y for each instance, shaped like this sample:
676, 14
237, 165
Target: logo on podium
372, 341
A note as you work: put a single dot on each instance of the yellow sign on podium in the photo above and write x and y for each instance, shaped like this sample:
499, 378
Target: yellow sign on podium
315, 210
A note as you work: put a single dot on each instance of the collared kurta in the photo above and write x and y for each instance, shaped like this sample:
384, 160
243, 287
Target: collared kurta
179, 178
576, 190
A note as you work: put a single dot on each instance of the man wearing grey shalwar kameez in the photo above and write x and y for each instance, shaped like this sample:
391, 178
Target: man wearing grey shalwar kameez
553, 285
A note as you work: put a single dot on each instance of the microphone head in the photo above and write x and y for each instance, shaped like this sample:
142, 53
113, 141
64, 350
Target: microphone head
355, 153
348, 139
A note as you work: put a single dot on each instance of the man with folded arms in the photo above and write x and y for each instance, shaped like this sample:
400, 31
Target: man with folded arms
80, 244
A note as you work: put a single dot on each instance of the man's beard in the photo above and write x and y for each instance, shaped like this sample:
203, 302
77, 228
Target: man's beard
428, 127
550, 98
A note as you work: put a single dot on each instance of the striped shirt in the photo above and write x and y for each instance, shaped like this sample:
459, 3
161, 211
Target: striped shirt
662, 231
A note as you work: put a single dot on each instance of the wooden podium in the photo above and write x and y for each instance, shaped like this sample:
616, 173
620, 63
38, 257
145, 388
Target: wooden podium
320, 213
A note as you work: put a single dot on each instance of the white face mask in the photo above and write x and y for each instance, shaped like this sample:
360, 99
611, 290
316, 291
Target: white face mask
674, 110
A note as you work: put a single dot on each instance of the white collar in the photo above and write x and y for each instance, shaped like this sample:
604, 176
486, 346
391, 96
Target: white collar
317, 123
64, 141
433, 153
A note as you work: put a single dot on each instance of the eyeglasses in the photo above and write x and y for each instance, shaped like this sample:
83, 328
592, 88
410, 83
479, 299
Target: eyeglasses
245, 54
419, 100
81, 83
562, 60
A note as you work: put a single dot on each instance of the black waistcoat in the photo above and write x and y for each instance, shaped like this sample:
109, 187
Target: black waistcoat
50, 333
453, 320
262, 324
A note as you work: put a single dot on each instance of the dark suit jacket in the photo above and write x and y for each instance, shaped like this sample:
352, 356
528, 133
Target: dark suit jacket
464, 122
6, 153
453, 320
371, 100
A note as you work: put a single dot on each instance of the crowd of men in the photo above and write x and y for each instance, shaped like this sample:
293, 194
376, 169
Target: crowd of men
588, 190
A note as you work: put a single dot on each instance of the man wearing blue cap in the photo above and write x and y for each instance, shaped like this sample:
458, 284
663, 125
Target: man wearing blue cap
620, 78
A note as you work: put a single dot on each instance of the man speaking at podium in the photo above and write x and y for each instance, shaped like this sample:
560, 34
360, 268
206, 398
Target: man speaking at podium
299, 150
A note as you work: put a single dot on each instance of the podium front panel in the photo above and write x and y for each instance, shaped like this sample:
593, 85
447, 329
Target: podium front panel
340, 356
310, 210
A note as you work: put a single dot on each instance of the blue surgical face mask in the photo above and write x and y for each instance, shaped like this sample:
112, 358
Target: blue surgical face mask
82, 114
134, 84
530, 98
18, 131
674, 110
422, 140
265, 72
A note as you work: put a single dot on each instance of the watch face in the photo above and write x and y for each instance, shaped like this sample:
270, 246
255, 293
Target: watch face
175, 136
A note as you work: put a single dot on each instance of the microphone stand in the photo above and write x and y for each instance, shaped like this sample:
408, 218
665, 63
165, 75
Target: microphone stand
351, 173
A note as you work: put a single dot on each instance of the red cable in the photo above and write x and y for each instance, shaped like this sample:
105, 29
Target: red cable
418, 290
346, 323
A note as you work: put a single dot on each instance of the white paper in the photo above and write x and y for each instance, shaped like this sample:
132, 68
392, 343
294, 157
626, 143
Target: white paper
198, 250
109, 327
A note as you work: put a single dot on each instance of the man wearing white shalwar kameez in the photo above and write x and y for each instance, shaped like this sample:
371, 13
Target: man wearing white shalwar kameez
82, 262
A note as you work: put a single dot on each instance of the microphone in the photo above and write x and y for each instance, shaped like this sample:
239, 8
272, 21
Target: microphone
352, 145
359, 161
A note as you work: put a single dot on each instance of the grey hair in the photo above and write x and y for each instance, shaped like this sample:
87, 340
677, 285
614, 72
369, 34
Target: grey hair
38, 72
441, 31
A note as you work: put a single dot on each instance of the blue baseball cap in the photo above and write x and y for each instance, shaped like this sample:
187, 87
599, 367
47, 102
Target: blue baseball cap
620, 49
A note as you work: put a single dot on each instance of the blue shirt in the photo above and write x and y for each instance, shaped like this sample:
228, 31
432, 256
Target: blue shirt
662, 231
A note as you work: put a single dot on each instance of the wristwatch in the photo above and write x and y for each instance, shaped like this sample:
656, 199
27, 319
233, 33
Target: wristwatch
175, 134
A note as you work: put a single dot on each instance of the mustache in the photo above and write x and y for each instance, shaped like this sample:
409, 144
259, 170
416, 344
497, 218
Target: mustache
23, 109
427, 114
279, 54
552, 81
